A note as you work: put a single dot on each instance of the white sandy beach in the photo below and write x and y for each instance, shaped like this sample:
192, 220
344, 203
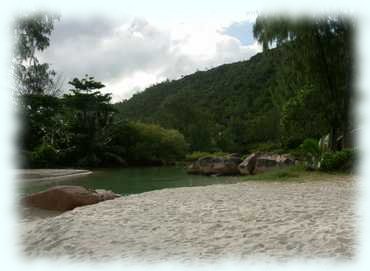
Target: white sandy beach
250, 220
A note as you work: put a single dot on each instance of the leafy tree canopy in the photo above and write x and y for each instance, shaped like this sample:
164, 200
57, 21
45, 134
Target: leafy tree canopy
32, 33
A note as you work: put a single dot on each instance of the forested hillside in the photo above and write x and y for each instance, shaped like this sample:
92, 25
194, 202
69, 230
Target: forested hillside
228, 108
299, 89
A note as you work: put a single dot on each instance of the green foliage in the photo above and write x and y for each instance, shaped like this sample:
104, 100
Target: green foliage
44, 155
320, 71
36, 78
296, 173
300, 117
222, 109
32, 34
123, 138
78, 130
311, 151
272, 102
338, 161
39, 115
265, 147
86, 84
88, 117
196, 155
286, 174
310, 147
297, 90
279, 174
155, 143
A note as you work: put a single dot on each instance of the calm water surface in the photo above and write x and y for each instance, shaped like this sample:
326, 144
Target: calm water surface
131, 180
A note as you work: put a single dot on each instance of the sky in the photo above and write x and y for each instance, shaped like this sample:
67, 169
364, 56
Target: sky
130, 53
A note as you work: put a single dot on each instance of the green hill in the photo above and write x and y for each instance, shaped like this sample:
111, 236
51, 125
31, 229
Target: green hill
227, 108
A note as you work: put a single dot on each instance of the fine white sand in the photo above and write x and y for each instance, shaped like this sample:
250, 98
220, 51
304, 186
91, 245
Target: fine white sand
250, 220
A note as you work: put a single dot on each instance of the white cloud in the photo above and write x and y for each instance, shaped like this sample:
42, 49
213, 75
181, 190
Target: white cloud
134, 83
129, 55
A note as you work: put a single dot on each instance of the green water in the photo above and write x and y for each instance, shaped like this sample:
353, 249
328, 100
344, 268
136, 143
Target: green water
131, 180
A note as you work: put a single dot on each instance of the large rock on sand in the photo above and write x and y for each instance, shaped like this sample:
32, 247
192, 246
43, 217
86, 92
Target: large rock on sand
63, 198
215, 165
256, 163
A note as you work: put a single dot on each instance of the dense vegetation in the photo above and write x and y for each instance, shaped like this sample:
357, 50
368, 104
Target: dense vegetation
224, 109
78, 128
301, 88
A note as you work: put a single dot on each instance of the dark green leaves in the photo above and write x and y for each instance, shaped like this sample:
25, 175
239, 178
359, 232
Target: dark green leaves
86, 84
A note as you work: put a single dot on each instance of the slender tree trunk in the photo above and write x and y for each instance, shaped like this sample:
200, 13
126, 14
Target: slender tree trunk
332, 139
348, 91
324, 68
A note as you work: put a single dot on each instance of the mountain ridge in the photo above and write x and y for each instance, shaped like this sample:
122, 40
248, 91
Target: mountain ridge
224, 103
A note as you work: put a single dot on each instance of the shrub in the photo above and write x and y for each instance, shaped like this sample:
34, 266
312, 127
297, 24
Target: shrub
311, 152
292, 143
44, 155
265, 147
298, 154
340, 160
289, 173
154, 143
197, 155
310, 147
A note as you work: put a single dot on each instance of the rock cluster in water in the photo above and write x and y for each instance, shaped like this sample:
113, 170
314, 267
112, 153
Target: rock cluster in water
215, 165
234, 165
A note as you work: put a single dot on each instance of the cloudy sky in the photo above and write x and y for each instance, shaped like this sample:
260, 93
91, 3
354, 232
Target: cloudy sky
130, 53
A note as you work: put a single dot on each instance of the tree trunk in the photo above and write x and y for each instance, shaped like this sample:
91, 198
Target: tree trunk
333, 93
333, 139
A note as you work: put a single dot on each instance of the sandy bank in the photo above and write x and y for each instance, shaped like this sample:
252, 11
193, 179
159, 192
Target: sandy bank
27, 175
240, 221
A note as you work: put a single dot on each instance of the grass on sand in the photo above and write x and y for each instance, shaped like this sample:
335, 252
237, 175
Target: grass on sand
294, 173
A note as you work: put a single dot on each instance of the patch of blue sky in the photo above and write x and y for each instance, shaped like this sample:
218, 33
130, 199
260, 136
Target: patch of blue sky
243, 31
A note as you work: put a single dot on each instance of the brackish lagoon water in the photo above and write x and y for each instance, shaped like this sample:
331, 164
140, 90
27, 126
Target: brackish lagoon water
131, 180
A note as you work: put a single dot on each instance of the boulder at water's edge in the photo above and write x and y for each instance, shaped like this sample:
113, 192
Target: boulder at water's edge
256, 163
215, 166
63, 198
248, 165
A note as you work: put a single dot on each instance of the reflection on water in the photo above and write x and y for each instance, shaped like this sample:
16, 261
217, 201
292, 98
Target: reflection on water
130, 180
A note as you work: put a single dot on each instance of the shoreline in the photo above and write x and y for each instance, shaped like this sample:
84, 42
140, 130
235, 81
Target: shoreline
35, 175
249, 220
